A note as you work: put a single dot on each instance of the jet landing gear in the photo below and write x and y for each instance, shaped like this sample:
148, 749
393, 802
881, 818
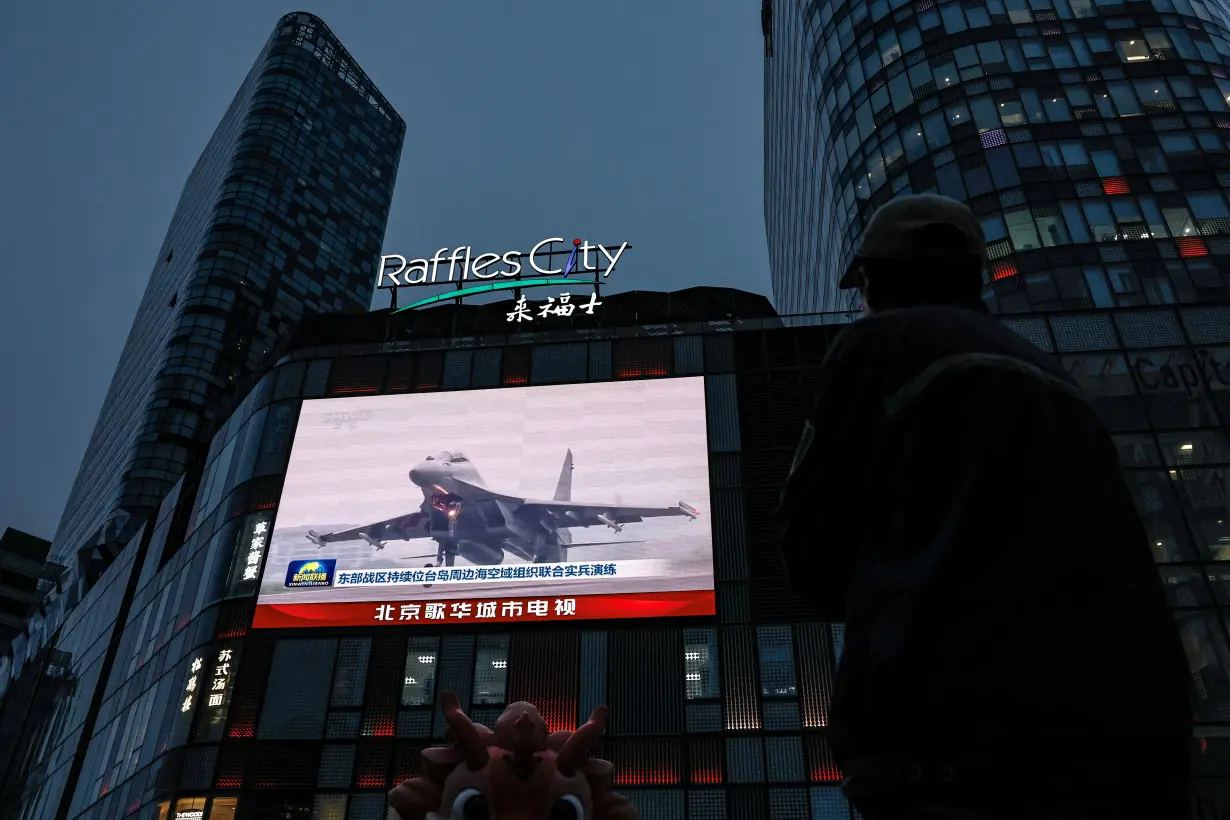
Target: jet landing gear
549, 549
447, 507
446, 556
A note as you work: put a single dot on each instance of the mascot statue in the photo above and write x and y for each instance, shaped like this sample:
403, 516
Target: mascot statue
517, 772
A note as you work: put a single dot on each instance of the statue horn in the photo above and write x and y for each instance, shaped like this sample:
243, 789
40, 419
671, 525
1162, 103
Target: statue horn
577, 747
468, 740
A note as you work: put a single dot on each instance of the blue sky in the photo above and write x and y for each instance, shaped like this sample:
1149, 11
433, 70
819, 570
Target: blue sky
619, 120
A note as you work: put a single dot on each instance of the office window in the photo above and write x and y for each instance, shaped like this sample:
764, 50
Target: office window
1026, 153
1056, 109
978, 17
1101, 223
350, 673
1185, 587
1127, 213
888, 46
935, 131
1074, 153
1209, 658
422, 660
1033, 105
1207, 205
700, 664
490, 669
776, 651
1133, 49
1178, 221
1052, 230
912, 139
993, 228
1022, 229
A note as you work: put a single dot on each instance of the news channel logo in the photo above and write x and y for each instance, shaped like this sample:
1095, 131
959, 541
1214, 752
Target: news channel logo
315, 573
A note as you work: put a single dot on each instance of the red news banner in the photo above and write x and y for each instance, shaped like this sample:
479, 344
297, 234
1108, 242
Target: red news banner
487, 610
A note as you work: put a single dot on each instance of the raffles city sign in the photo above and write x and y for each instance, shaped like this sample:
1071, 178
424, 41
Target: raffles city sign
471, 274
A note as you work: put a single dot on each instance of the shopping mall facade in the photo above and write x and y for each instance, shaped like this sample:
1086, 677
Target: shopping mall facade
184, 710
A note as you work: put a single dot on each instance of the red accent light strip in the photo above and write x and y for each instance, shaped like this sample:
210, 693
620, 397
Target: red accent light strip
1190, 246
351, 391
825, 773
1003, 270
642, 775
1115, 186
559, 715
588, 607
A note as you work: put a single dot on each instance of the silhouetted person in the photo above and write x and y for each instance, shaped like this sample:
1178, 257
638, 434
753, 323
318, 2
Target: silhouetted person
958, 504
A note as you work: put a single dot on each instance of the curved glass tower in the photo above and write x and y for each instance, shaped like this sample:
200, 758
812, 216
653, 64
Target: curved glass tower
282, 216
1090, 137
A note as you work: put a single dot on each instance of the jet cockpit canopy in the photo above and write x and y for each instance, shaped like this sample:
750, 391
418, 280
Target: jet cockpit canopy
449, 457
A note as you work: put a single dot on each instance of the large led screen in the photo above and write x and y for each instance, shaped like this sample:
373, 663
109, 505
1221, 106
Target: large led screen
547, 503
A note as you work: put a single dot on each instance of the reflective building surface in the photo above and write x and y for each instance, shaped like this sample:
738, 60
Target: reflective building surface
1090, 137
282, 217
182, 710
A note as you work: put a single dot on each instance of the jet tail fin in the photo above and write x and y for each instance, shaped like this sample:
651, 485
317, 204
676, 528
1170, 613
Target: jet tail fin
563, 489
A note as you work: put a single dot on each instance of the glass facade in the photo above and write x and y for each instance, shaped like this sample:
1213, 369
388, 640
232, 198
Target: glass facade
1090, 137
283, 216
194, 712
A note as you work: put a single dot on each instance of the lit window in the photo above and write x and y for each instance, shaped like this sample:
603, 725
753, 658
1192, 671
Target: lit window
1179, 221
1052, 231
1101, 222
419, 680
776, 650
1012, 112
1134, 49
491, 669
700, 664
1022, 229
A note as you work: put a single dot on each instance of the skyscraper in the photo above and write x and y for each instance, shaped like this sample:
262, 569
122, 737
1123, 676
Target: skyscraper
283, 216
1091, 140
1090, 137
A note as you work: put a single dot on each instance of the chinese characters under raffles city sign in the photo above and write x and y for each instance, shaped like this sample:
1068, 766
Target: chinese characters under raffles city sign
495, 271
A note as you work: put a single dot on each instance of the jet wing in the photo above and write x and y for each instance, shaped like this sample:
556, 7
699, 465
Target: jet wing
577, 513
402, 528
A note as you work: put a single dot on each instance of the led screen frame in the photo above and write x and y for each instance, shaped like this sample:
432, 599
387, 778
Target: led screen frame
518, 504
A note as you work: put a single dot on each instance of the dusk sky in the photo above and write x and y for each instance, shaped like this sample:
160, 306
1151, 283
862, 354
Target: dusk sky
637, 121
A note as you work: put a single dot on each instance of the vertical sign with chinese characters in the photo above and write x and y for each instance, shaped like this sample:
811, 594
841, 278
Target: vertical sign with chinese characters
249, 553
215, 697
191, 687
221, 679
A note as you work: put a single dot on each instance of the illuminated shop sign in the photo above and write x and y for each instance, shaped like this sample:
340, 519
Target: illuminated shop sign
256, 550
492, 272
250, 546
220, 679
194, 673
192, 814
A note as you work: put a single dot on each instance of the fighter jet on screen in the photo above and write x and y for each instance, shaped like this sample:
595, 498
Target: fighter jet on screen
465, 518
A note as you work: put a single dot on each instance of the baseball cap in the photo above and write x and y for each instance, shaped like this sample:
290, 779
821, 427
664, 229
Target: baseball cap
918, 227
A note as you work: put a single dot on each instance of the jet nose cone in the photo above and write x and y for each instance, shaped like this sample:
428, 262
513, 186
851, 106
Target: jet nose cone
420, 476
